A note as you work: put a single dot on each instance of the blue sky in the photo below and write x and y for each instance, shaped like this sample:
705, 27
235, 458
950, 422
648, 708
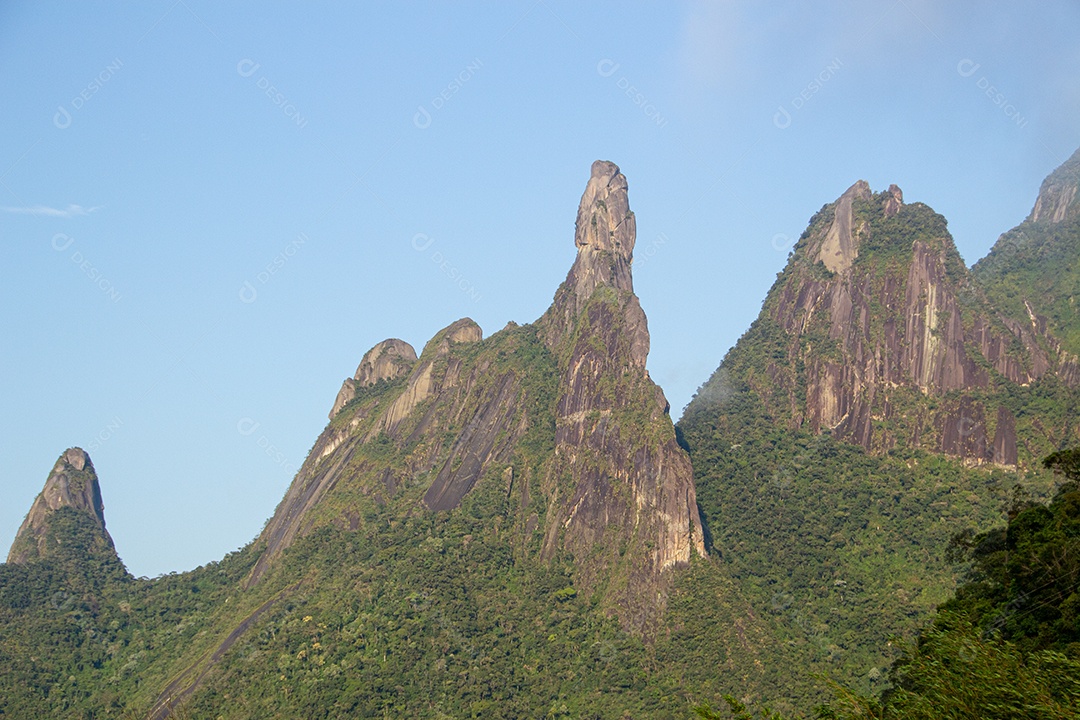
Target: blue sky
210, 211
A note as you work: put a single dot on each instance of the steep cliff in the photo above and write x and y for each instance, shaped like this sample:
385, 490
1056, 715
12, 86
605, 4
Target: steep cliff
877, 333
882, 401
1033, 271
72, 486
560, 414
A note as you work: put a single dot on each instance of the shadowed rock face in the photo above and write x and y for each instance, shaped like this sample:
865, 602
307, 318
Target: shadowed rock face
73, 483
617, 491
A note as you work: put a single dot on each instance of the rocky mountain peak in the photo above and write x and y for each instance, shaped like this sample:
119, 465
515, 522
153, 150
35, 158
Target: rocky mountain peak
1057, 195
857, 351
559, 417
604, 234
838, 248
72, 483
389, 359
894, 200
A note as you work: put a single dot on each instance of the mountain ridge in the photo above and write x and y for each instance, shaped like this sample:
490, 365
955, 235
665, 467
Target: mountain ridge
512, 525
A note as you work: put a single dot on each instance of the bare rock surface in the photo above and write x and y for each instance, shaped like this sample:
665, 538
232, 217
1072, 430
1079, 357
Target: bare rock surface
72, 483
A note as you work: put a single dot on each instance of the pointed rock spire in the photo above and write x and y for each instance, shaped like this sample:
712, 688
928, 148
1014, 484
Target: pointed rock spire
73, 483
604, 235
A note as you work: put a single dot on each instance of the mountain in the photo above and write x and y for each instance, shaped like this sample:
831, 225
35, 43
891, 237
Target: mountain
498, 527
70, 499
511, 526
877, 333
1033, 271
881, 402
560, 415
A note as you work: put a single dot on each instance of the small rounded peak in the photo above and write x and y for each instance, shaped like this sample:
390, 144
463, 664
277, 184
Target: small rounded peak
76, 457
464, 330
387, 360
861, 190
604, 168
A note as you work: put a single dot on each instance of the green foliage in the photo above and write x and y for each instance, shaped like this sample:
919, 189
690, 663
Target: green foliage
1037, 264
1005, 645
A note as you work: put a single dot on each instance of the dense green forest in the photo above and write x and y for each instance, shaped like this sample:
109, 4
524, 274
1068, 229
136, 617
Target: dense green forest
880, 565
1006, 645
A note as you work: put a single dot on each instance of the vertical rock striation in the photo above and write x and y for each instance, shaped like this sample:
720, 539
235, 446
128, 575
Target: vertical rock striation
614, 489
876, 314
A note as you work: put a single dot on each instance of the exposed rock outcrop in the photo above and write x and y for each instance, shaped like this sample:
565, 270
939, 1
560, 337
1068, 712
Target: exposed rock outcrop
877, 310
387, 360
1032, 272
1057, 200
838, 247
73, 483
617, 491
628, 478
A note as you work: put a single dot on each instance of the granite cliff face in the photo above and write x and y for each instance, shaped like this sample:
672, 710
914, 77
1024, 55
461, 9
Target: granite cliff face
72, 484
386, 361
560, 415
1057, 201
625, 479
881, 336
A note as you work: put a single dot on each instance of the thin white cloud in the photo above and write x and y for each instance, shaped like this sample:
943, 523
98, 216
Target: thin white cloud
69, 211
